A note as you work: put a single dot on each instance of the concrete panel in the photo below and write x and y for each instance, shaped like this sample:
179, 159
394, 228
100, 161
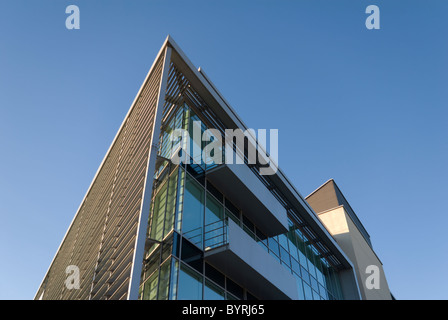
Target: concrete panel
355, 246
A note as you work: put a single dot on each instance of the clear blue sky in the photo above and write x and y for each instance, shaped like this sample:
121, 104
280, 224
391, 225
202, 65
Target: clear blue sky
367, 108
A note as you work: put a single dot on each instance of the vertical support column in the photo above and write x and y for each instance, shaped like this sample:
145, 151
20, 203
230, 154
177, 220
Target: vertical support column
139, 250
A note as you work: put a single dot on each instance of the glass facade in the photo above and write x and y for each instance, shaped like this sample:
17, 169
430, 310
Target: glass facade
189, 216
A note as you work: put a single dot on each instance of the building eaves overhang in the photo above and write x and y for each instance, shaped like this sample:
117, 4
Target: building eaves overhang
348, 208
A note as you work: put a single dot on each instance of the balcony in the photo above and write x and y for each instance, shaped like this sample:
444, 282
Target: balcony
236, 254
248, 193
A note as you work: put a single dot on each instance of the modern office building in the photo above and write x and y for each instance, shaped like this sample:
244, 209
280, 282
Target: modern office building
152, 228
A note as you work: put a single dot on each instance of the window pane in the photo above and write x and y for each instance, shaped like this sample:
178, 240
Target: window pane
171, 203
250, 296
292, 245
230, 297
234, 288
295, 266
214, 275
232, 208
323, 292
314, 284
173, 282
299, 287
150, 289
214, 222
248, 224
213, 292
164, 280
285, 256
159, 214
308, 292
233, 217
283, 241
305, 275
273, 246
192, 255
190, 284
180, 200
218, 195
193, 211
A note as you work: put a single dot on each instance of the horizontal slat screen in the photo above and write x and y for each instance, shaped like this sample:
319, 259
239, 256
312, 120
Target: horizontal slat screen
101, 239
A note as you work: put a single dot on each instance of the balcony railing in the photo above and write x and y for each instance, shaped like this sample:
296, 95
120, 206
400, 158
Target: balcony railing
215, 235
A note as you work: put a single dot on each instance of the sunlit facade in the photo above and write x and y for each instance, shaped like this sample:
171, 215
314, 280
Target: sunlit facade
189, 218
151, 228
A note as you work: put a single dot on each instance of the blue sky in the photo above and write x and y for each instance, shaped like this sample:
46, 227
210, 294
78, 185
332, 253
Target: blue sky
365, 107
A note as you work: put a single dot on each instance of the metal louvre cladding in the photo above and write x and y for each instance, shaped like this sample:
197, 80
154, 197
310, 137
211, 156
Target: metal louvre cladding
102, 236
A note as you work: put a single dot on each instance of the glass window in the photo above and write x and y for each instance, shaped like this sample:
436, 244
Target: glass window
320, 276
305, 274
249, 227
173, 282
302, 258
232, 208
197, 172
323, 292
263, 244
218, 195
150, 288
283, 240
232, 217
214, 222
285, 257
310, 256
196, 126
260, 235
191, 255
295, 266
250, 296
158, 213
292, 245
180, 199
167, 248
233, 288
153, 260
314, 284
215, 275
273, 246
230, 296
164, 280
299, 287
212, 291
190, 284
248, 224
308, 292
193, 211
171, 203
166, 143
176, 244
140, 293
275, 256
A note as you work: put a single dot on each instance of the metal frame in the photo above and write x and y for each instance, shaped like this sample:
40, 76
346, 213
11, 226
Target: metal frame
137, 261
